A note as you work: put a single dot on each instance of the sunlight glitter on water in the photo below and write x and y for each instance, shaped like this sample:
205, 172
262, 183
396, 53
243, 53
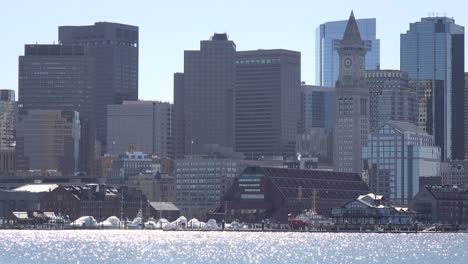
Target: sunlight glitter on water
124, 246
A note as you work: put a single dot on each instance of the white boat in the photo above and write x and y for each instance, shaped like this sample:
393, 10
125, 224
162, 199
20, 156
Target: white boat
162, 222
84, 222
195, 224
211, 225
112, 222
137, 223
234, 225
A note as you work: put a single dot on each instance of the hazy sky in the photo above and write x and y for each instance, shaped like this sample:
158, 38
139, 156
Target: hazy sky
167, 28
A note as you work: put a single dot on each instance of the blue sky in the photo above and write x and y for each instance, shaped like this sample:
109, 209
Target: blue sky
167, 28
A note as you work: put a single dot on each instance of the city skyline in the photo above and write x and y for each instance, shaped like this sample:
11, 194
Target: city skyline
166, 31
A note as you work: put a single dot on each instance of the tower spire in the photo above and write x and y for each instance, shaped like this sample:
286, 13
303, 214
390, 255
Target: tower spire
351, 34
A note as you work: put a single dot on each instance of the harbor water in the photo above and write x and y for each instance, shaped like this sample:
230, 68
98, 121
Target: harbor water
149, 246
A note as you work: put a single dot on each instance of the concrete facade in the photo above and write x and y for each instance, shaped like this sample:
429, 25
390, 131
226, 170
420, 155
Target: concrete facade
267, 99
60, 77
48, 140
204, 96
352, 102
391, 98
8, 112
143, 125
114, 49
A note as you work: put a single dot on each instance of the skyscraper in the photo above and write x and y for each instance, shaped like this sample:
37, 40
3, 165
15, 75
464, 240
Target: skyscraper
114, 48
203, 96
391, 98
267, 102
143, 125
433, 49
8, 112
327, 43
48, 140
318, 107
317, 123
397, 155
352, 101
60, 77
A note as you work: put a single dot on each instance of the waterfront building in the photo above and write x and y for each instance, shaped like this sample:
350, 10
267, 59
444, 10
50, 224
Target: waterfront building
352, 102
99, 201
274, 193
8, 111
25, 198
60, 77
396, 157
433, 50
327, 43
203, 180
129, 164
143, 125
267, 98
391, 98
114, 50
371, 209
203, 97
155, 186
444, 204
48, 140
454, 172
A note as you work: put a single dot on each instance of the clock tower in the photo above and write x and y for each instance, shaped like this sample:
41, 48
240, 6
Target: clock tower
352, 101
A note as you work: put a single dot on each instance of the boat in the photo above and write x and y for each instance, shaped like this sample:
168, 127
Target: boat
113, 222
84, 222
137, 223
161, 223
235, 225
195, 224
211, 225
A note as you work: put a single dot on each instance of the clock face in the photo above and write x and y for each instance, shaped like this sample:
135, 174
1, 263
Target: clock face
348, 62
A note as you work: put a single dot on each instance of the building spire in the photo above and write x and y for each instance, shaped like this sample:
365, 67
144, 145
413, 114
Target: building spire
351, 35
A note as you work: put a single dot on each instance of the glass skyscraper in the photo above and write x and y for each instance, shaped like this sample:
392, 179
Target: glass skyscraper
328, 37
397, 155
433, 50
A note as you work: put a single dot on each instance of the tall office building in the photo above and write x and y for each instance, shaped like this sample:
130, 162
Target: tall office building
8, 112
179, 116
317, 107
352, 102
466, 116
60, 77
203, 97
391, 98
327, 43
431, 108
396, 157
267, 102
114, 48
48, 140
433, 49
317, 122
143, 125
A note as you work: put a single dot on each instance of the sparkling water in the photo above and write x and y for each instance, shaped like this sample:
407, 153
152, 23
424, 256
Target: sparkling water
147, 246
